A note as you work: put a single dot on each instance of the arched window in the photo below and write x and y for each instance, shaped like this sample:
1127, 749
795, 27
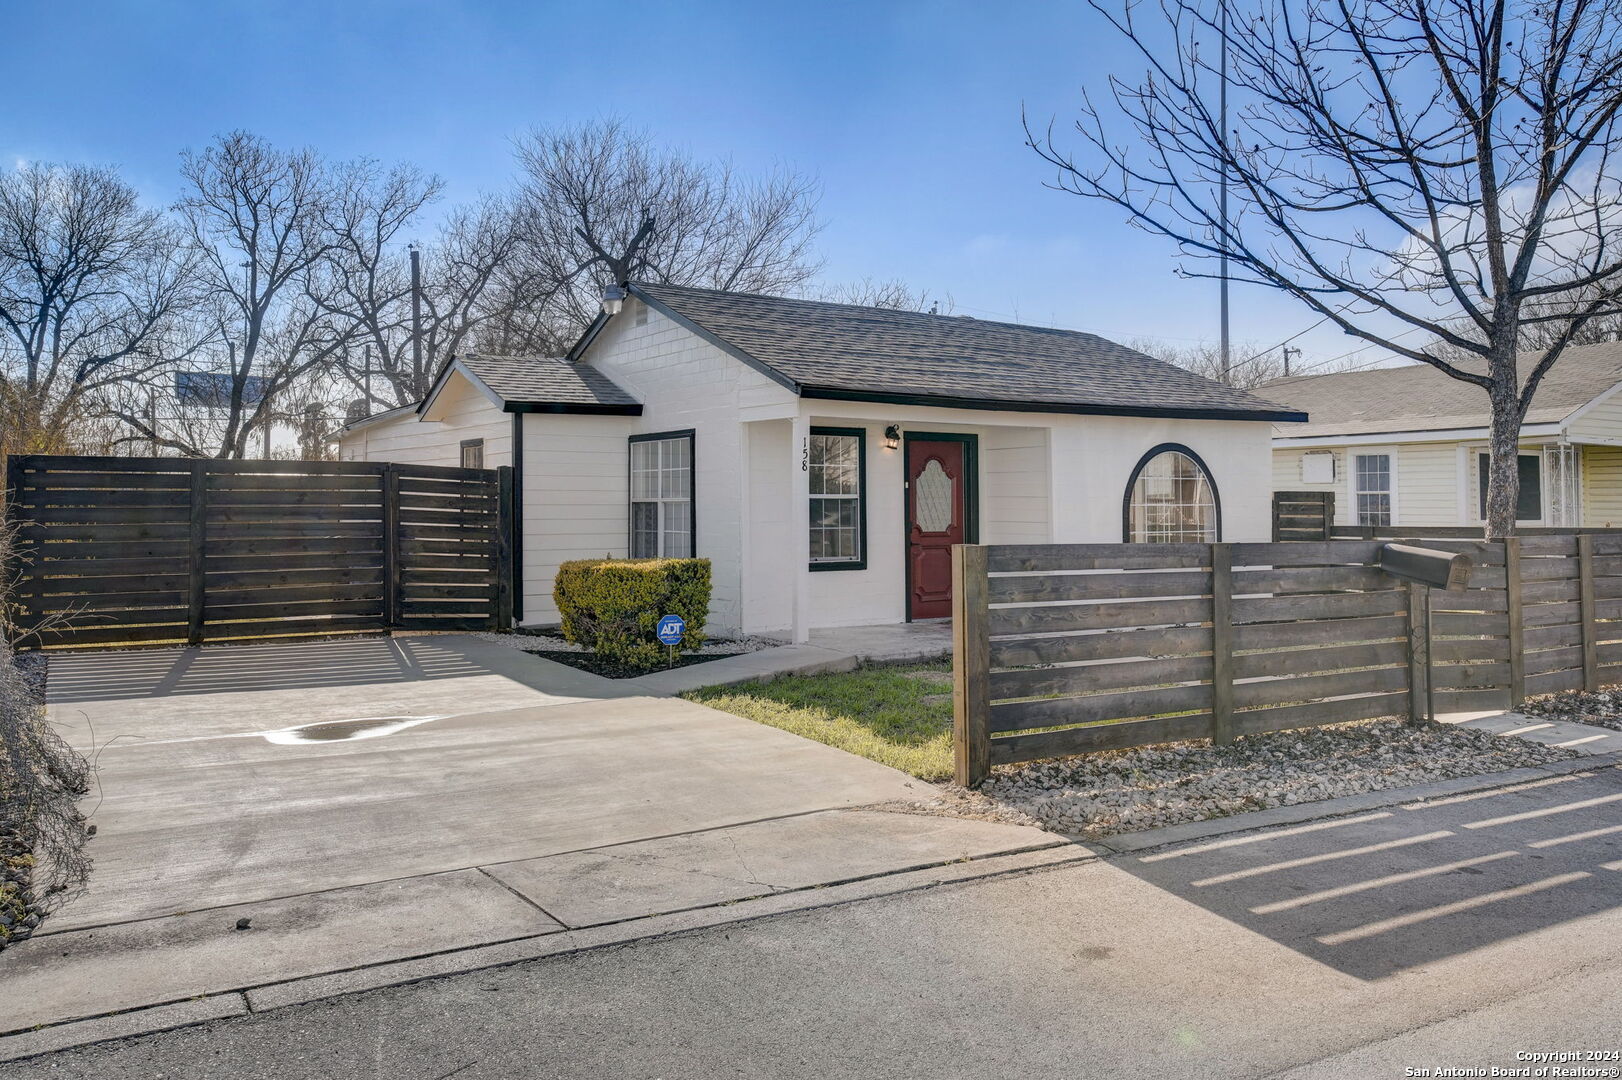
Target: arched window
1170, 499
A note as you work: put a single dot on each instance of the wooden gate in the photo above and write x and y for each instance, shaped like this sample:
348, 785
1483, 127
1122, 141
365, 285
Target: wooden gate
123, 550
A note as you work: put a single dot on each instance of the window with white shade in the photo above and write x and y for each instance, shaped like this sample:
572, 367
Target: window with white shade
1171, 500
662, 495
1372, 487
837, 465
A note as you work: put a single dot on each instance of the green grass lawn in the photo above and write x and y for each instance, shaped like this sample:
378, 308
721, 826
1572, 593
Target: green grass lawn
878, 712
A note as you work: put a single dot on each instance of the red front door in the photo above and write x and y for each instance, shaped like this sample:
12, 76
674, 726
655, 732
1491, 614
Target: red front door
937, 517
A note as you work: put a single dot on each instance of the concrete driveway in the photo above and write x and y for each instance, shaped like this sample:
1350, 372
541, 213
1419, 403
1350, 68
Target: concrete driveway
362, 802
234, 774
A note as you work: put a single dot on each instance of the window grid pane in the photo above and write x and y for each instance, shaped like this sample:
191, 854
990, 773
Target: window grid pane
1373, 490
662, 498
834, 465
1172, 502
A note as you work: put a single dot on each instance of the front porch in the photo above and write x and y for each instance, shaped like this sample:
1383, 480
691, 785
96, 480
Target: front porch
850, 510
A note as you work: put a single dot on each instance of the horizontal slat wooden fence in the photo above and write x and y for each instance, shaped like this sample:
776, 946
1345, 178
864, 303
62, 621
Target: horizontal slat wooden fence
1067, 649
129, 550
1303, 515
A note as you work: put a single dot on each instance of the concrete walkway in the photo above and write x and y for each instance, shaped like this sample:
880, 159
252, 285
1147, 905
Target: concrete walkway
1585, 739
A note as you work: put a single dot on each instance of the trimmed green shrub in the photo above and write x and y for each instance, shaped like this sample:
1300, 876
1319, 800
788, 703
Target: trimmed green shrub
612, 606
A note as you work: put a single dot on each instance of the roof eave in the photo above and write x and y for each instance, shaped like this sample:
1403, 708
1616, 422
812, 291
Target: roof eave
583, 408
828, 393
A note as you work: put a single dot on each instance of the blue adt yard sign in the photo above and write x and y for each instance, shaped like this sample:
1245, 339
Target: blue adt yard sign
671, 628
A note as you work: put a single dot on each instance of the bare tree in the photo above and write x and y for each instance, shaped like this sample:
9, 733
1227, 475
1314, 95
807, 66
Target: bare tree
893, 294
601, 204
1255, 366
472, 285
1440, 167
91, 287
367, 269
264, 224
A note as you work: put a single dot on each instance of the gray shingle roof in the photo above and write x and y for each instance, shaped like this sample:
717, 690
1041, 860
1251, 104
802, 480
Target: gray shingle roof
875, 354
1418, 397
531, 381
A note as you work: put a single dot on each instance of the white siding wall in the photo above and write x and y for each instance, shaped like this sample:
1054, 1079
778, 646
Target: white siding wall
768, 568
575, 477
466, 413
685, 382
1014, 486
1603, 421
1093, 456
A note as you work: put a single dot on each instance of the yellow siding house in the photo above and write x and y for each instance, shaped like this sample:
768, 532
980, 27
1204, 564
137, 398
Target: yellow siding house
1406, 446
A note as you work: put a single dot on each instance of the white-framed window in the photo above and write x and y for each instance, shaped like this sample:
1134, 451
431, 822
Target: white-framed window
472, 453
662, 520
1373, 477
837, 462
1171, 500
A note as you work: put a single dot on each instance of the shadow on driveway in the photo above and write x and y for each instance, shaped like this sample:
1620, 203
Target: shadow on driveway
303, 665
1379, 893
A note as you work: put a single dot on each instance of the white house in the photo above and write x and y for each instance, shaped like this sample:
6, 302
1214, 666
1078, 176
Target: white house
825, 457
1407, 445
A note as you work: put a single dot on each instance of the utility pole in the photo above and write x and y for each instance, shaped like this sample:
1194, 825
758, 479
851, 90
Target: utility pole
416, 321
1288, 350
1222, 109
366, 380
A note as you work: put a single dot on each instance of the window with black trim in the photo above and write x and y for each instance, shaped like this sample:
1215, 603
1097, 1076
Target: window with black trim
662, 495
1171, 499
837, 461
1529, 503
473, 454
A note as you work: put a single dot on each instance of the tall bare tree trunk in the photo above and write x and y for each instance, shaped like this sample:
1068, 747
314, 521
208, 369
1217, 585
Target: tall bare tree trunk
1503, 464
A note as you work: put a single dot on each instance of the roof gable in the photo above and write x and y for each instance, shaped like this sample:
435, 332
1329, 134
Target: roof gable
536, 384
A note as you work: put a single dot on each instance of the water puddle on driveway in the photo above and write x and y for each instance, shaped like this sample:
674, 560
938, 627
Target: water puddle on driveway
366, 727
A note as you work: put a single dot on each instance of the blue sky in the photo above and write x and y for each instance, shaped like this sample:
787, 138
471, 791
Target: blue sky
907, 113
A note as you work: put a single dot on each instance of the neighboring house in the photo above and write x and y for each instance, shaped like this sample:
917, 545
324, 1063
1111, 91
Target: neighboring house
1407, 445
825, 457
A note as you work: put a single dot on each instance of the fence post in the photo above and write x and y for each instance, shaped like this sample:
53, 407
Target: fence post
197, 586
1585, 599
504, 548
971, 665
1418, 653
1222, 644
391, 546
1513, 614
11, 563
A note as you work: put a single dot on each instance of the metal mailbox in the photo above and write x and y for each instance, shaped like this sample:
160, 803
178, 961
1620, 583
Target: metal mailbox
1427, 566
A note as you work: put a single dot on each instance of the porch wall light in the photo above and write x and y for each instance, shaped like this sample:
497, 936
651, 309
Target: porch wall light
892, 436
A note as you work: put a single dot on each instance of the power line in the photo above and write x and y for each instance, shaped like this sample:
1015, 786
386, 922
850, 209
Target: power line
1360, 349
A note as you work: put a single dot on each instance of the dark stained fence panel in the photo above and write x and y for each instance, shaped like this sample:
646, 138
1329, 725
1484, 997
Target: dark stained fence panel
116, 550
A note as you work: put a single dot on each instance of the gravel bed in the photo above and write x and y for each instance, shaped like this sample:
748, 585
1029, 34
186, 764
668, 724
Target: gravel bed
1147, 787
1602, 708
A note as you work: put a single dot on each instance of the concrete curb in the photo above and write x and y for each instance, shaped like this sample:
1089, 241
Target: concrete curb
1063, 851
246, 1000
